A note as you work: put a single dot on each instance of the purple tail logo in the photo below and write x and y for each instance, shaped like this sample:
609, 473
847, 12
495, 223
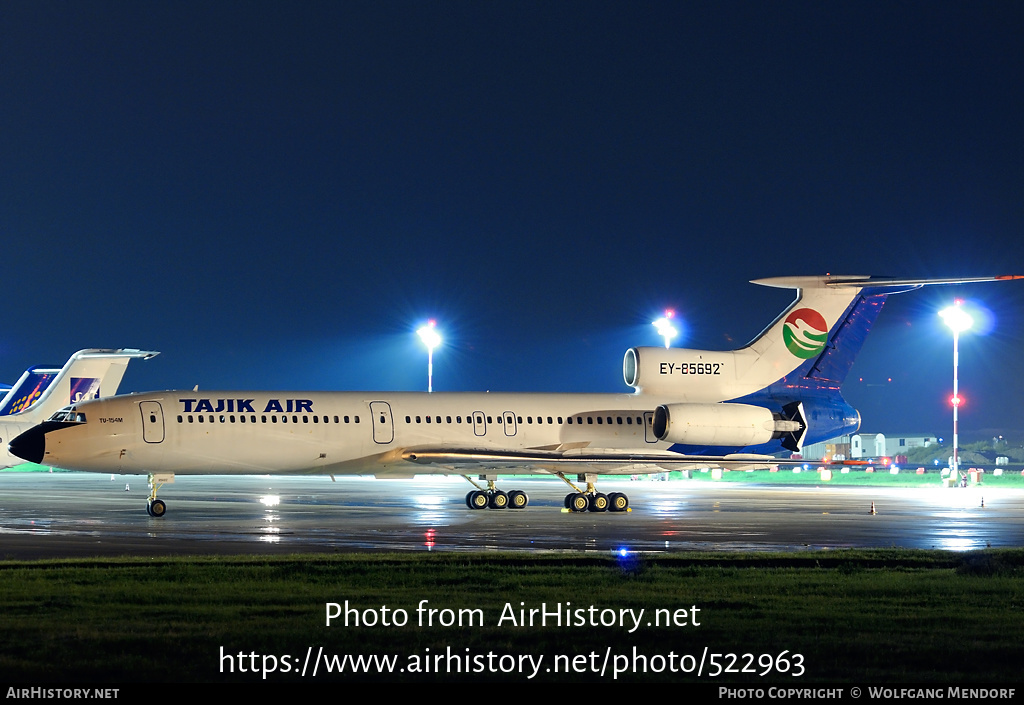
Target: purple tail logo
84, 388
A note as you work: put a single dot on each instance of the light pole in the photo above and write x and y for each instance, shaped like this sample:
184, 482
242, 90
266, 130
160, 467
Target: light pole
665, 328
431, 338
958, 320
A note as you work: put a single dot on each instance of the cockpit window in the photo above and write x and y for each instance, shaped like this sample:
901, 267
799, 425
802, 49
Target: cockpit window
68, 415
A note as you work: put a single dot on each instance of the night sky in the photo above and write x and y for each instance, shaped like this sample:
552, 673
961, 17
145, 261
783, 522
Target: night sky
275, 195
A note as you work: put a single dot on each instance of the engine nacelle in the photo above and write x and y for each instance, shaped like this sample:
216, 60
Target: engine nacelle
729, 425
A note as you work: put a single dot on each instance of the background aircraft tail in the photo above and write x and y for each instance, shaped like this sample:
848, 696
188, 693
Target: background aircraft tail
88, 374
28, 389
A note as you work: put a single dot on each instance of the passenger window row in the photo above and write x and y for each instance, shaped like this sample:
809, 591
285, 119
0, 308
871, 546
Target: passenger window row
508, 419
540, 420
265, 418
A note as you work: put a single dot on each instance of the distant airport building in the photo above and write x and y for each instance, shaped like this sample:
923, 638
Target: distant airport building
868, 445
878, 445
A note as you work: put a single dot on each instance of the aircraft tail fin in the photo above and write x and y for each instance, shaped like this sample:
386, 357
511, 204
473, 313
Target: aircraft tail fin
811, 344
28, 389
819, 336
88, 374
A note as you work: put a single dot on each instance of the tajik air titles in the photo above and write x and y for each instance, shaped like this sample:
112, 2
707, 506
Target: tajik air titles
245, 406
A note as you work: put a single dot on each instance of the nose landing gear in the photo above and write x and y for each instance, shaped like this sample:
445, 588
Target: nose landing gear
156, 508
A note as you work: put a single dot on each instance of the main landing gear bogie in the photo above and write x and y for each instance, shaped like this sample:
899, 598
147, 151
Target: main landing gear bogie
496, 499
596, 502
589, 499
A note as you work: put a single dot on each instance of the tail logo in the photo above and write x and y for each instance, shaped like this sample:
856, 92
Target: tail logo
805, 333
84, 388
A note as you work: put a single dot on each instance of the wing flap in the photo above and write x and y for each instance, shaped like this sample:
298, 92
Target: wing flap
566, 459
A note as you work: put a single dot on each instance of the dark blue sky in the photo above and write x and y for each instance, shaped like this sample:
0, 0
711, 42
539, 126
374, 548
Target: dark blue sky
276, 194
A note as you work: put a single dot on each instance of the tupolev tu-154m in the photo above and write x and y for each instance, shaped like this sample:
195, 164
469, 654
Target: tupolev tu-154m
689, 409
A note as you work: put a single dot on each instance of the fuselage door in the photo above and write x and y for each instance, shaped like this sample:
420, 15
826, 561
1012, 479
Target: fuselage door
649, 427
383, 424
152, 421
479, 423
510, 423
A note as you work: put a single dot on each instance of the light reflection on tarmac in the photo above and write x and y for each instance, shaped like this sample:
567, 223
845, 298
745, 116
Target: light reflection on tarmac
79, 515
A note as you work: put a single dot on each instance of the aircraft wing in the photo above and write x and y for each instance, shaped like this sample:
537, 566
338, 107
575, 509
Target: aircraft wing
575, 460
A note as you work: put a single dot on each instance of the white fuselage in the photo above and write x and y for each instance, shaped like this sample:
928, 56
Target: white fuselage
339, 432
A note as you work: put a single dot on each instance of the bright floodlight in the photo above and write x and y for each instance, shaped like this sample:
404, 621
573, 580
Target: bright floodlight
958, 320
665, 328
429, 335
431, 338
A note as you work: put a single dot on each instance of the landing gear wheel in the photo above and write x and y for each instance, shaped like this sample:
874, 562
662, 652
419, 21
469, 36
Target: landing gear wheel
618, 502
478, 500
156, 508
517, 499
469, 498
499, 500
599, 502
568, 499
579, 502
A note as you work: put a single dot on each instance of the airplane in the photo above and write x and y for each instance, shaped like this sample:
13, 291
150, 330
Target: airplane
45, 389
689, 409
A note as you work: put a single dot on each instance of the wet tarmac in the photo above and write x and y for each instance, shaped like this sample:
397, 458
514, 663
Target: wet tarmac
79, 515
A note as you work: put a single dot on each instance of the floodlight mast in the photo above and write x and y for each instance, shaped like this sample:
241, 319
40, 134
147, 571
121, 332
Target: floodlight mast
431, 338
958, 320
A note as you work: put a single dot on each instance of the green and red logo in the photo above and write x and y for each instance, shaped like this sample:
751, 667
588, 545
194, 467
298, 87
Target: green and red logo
805, 333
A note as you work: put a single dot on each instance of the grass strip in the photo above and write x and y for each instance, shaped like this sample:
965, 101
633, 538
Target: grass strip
884, 616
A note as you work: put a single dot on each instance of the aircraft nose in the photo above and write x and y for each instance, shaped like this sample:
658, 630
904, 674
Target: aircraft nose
30, 445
